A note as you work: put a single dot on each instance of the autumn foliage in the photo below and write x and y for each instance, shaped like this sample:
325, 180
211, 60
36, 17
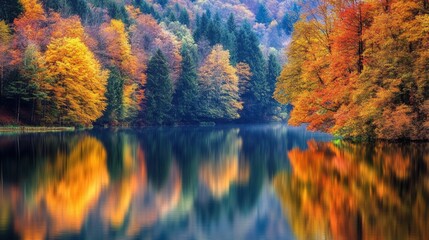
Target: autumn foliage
77, 82
356, 69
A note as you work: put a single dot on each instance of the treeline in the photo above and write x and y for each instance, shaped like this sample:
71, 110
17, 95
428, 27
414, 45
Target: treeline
360, 68
79, 63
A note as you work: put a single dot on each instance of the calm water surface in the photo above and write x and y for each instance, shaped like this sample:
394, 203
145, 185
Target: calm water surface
230, 182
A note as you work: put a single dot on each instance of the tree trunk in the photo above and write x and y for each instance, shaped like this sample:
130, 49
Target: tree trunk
361, 47
32, 110
1, 80
18, 108
43, 109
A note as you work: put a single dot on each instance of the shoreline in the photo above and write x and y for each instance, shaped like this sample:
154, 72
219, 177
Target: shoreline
33, 129
10, 130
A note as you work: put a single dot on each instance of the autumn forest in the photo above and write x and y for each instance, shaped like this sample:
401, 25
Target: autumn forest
353, 68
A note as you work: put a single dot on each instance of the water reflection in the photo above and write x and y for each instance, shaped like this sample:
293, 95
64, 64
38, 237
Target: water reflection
356, 191
209, 183
61, 192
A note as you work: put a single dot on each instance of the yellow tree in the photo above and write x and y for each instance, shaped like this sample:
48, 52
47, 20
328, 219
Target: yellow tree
219, 86
244, 74
305, 75
5, 38
77, 82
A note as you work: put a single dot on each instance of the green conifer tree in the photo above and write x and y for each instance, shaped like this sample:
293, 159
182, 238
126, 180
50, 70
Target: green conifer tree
258, 96
159, 90
186, 96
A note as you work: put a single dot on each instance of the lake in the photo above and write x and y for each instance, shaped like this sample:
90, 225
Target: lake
224, 182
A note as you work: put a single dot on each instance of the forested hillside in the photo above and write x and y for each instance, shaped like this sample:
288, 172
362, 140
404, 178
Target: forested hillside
360, 68
353, 68
133, 62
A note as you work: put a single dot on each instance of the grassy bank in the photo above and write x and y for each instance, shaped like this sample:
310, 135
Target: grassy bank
32, 129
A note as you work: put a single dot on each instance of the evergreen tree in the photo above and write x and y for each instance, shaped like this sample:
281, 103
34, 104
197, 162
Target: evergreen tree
186, 96
146, 8
118, 12
162, 2
114, 96
273, 71
232, 27
80, 7
159, 90
202, 26
290, 18
213, 33
248, 52
9, 10
25, 85
17, 89
228, 41
262, 16
170, 16
184, 17
229, 38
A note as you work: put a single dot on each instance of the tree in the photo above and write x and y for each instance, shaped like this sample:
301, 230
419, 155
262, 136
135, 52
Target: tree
262, 16
67, 27
9, 10
147, 35
244, 75
219, 86
18, 90
290, 18
120, 56
28, 82
78, 83
184, 17
114, 96
162, 2
5, 40
30, 28
231, 25
186, 95
307, 73
273, 71
185, 36
117, 11
213, 32
159, 90
355, 68
33, 71
248, 52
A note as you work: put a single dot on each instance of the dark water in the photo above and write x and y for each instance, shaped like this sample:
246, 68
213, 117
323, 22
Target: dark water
231, 182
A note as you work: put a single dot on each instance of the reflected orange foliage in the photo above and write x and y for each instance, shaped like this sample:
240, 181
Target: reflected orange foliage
70, 198
161, 203
220, 176
130, 198
67, 190
336, 192
121, 194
